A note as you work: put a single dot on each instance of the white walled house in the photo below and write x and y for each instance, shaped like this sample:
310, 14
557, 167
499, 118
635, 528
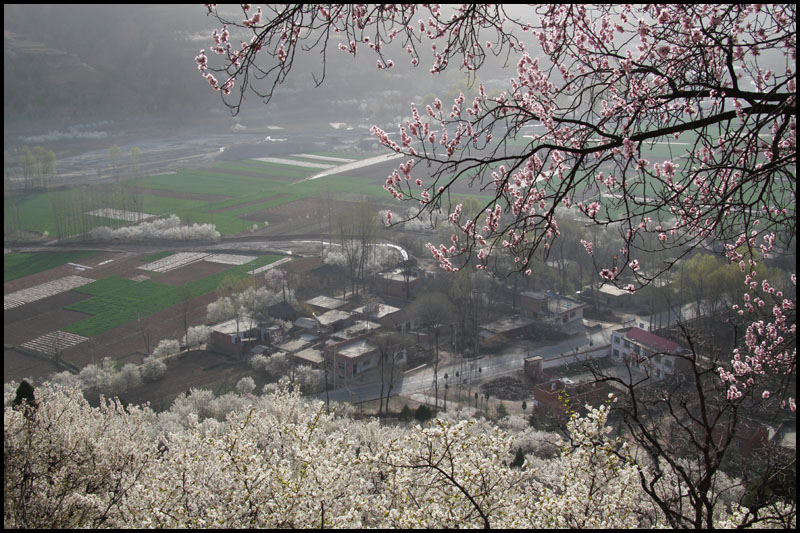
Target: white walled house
645, 351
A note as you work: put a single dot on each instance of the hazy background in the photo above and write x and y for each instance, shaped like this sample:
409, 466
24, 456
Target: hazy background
84, 71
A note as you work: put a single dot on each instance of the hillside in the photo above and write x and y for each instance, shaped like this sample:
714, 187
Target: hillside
279, 461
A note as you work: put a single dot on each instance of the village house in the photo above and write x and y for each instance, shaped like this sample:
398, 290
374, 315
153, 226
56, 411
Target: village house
357, 330
612, 296
234, 339
532, 304
645, 351
552, 396
323, 304
334, 321
558, 308
505, 329
565, 310
352, 358
311, 356
388, 316
397, 283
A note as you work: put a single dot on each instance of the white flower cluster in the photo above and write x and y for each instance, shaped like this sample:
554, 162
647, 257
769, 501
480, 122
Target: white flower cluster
278, 461
165, 228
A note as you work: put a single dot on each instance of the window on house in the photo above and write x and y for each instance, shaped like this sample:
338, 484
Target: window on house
616, 352
616, 340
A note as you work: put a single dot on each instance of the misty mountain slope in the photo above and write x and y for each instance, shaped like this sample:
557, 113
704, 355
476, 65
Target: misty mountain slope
65, 63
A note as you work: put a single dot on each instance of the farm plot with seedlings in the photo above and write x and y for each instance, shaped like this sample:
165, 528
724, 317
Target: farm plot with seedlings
54, 343
24, 323
187, 274
229, 259
121, 214
270, 266
254, 187
44, 290
129, 343
174, 261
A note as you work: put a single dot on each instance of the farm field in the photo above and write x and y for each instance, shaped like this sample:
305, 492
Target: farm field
231, 195
20, 265
110, 305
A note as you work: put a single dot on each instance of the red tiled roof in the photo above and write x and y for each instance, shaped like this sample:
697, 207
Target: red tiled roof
659, 344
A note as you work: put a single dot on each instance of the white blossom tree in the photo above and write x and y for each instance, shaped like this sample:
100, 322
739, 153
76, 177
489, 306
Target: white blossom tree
197, 335
166, 347
163, 228
279, 461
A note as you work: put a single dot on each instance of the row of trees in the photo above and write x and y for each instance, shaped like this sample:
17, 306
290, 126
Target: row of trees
164, 228
70, 208
356, 233
29, 170
134, 167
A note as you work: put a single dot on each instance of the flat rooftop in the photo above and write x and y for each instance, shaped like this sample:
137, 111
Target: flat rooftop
356, 349
326, 302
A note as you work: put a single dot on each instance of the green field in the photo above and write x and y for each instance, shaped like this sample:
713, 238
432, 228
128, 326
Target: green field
116, 301
232, 191
20, 265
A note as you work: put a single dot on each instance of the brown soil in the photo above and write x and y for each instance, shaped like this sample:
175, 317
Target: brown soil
43, 277
189, 273
26, 322
18, 366
195, 369
124, 343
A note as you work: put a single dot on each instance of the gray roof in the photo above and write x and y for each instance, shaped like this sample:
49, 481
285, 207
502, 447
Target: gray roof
332, 317
355, 349
305, 323
326, 302
311, 355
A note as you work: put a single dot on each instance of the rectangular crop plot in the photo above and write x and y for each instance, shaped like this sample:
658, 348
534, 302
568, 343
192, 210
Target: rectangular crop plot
174, 261
326, 158
294, 162
229, 259
54, 342
39, 292
120, 214
270, 266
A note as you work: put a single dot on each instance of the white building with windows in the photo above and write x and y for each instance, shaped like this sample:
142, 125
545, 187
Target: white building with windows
645, 351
